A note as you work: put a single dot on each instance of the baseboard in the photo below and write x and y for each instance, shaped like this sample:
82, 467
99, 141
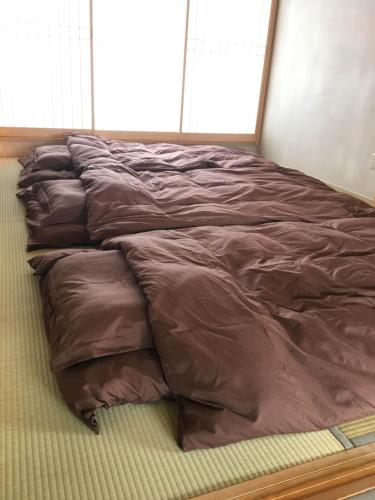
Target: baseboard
367, 199
371, 201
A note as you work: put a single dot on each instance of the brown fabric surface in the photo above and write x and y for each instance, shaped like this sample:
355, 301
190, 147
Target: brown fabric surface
28, 176
57, 236
46, 163
248, 321
243, 189
89, 299
53, 157
55, 214
259, 280
128, 378
92, 306
55, 202
254, 335
92, 152
43, 263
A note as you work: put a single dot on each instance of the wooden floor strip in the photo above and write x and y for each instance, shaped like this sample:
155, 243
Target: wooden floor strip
335, 477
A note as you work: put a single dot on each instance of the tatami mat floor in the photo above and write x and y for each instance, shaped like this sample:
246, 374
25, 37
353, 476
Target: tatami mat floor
46, 453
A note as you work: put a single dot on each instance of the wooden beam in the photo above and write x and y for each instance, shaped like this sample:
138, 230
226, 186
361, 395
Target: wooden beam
184, 65
92, 79
16, 141
266, 71
40, 133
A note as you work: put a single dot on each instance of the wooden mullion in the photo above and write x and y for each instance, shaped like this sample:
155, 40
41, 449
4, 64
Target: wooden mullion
92, 79
266, 70
182, 105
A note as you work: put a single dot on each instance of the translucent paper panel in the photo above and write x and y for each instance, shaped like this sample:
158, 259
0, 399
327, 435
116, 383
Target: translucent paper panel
226, 49
138, 64
45, 63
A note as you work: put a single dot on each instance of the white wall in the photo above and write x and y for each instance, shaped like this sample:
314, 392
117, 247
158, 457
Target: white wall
320, 114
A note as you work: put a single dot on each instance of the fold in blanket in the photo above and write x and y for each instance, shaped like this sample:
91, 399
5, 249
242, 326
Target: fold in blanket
30, 176
128, 378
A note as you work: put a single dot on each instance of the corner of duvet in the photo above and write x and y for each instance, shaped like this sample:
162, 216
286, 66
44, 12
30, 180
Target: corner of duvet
90, 420
33, 262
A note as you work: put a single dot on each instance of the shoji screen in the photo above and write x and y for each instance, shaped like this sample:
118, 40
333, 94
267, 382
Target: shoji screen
159, 66
45, 63
224, 64
138, 64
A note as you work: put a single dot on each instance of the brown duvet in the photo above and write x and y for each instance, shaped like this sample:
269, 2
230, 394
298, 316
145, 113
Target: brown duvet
230, 187
252, 284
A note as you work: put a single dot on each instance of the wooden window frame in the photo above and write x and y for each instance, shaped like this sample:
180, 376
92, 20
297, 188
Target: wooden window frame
16, 140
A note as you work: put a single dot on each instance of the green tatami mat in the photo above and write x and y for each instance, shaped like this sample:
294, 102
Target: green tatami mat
46, 453
360, 432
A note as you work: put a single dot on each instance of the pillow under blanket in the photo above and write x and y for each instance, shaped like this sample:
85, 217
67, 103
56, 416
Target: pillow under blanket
55, 157
95, 376
46, 163
92, 306
55, 214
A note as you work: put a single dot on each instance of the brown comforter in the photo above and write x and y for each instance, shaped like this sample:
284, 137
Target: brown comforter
195, 186
259, 284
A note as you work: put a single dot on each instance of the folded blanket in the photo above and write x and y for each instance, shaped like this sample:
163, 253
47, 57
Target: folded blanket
99, 312
95, 319
55, 214
53, 157
46, 163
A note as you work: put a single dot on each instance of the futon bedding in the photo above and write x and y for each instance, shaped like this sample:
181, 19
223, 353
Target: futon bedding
230, 187
55, 157
132, 187
55, 214
256, 328
254, 335
46, 163
251, 286
105, 356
